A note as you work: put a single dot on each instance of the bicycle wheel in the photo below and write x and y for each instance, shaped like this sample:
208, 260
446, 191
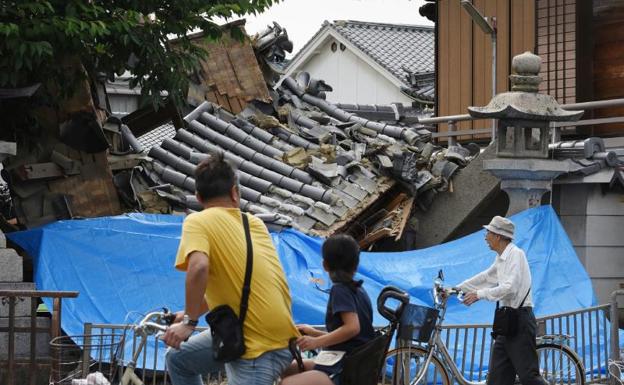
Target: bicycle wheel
559, 365
403, 364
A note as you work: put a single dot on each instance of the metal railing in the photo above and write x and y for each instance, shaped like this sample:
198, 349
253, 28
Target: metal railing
150, 367
34, 363
468, 345
451, 120
588, 329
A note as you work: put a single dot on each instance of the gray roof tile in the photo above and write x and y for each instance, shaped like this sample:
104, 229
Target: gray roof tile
400, 49
395, 47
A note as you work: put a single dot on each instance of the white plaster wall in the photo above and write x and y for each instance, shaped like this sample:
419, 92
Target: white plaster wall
122, 104
353, 80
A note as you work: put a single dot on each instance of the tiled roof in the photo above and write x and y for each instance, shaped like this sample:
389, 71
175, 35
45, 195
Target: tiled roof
588, 157
395, 47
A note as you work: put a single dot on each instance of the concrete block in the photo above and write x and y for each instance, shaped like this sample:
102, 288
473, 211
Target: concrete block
605, 230
10, 266
605, 262
22, 305
575, 227
609, 203
573, 199
22, 338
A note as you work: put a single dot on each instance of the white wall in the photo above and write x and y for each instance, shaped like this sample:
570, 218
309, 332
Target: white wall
353, 80
123, 104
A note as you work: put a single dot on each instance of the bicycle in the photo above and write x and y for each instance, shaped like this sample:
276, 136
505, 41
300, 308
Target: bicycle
616, 371
153, 323
77, 356
430, 361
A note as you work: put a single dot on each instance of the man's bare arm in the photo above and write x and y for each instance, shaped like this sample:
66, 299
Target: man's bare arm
195, 305
196, 281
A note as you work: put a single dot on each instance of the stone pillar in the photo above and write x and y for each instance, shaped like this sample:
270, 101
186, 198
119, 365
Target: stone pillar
11, 278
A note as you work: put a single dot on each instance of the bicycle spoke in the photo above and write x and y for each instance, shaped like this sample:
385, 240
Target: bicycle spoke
404, 365
558, 366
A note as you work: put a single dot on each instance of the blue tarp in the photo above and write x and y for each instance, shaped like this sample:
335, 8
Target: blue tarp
124, 264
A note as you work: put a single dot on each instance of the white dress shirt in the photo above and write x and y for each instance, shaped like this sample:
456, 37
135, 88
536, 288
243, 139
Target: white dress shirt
508, 280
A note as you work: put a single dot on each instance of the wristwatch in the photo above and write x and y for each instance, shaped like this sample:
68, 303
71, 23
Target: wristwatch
186, 320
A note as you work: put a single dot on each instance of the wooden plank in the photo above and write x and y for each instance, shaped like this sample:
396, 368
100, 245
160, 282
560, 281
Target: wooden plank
517, 27
455, 59
478, 59
443, 61
503, 46
466, 69
405, 215
374, 237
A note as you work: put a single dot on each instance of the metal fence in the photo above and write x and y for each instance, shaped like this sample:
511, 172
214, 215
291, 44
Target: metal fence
150, 366
468, 345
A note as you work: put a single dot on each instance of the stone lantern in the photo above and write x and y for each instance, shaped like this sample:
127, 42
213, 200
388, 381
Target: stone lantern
523, 122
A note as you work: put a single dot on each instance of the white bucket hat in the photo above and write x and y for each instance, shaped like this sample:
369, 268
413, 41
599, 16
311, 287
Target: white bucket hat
501, 226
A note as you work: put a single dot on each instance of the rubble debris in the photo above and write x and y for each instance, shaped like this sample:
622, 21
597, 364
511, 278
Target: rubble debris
307, 163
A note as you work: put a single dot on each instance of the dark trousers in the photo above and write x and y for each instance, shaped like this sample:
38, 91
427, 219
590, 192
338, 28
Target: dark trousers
516, 355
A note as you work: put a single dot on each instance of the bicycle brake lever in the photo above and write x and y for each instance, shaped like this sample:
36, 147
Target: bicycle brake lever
169, 318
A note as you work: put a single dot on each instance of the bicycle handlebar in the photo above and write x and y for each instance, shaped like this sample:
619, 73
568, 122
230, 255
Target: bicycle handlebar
156, 321
438, 289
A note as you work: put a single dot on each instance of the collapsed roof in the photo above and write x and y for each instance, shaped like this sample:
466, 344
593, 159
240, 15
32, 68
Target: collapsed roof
307, 163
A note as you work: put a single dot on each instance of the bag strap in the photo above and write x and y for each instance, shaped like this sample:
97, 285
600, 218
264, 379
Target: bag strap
248, 270
521, 303
524, 299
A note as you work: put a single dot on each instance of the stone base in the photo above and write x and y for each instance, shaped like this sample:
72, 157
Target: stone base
23, 373
22, 338
22, 304
525, 180
10, 266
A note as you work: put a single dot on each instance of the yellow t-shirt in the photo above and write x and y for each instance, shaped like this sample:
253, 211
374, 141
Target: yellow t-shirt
218, 232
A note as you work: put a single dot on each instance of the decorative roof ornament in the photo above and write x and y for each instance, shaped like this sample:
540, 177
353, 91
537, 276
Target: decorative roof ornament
523, 101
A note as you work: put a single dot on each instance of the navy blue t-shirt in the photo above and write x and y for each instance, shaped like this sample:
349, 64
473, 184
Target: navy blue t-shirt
349, 298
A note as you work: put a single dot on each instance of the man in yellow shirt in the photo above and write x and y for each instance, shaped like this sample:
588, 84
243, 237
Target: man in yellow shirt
213, 253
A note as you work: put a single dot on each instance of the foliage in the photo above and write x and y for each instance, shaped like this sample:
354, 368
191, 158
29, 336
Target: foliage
111, 36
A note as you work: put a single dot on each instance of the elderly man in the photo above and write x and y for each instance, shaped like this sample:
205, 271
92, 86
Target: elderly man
508, 281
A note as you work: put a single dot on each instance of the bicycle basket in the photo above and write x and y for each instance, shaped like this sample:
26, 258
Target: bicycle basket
74, 357
417, 322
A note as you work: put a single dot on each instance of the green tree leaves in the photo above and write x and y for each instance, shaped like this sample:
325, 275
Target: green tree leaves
111, 36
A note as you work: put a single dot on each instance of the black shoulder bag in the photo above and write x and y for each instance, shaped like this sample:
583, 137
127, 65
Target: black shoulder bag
506, 319
228, 343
